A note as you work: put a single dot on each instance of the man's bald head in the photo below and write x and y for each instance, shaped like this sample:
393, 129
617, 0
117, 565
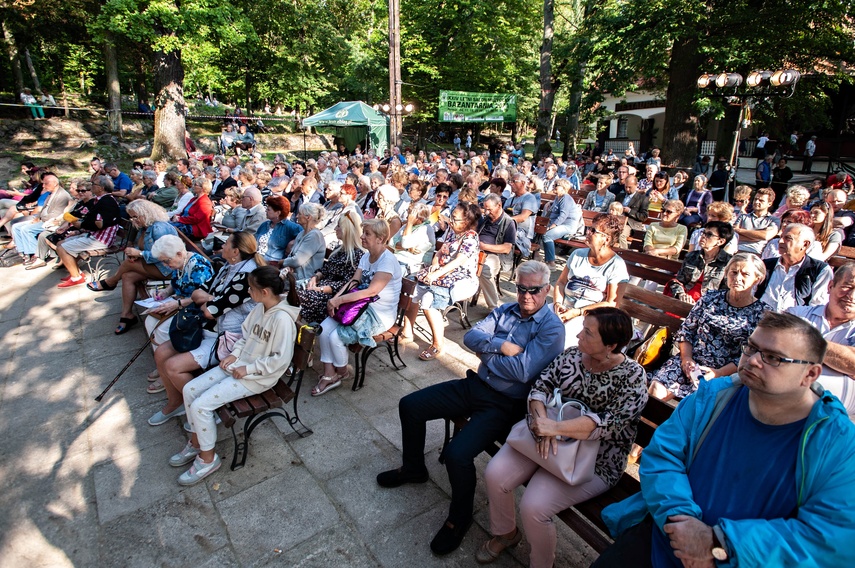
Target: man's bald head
253, 194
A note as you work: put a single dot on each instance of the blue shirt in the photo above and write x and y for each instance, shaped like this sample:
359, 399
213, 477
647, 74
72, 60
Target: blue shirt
541, 336
122, 182
283, 233
743, 470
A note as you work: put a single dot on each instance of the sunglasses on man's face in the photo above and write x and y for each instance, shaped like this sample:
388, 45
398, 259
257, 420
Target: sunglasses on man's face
533, 290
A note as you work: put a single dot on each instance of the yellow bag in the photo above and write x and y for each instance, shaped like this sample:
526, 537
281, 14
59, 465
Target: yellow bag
653, 348
69, 217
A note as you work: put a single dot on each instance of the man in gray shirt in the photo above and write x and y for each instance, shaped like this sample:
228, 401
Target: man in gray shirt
756, 228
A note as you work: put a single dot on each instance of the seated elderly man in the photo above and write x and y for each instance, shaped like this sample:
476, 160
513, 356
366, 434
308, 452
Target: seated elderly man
751, 470
794, 279
26, 232
494, 397
497, 232
836, 322
100, 224
247, 217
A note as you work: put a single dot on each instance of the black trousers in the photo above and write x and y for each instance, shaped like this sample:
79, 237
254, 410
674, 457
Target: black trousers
632, 548
491, 416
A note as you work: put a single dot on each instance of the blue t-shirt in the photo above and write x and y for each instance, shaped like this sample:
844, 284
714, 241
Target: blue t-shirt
744, 470
122, 181
518, 204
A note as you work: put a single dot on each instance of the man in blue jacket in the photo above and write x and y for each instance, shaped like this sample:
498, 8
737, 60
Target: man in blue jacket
756, 469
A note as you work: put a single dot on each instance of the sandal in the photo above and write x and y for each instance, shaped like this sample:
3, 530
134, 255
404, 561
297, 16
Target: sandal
125, 324
486, 555
100, 286
153, 376
155, 387
430, 353
332, 383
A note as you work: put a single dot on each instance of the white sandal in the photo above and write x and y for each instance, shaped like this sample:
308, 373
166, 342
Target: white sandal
332, 383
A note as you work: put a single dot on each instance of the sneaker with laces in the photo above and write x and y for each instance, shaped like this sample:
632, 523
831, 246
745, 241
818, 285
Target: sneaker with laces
185, 456
199, 470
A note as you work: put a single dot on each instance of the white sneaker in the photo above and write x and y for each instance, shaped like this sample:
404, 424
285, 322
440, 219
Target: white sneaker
185, 456
199, 471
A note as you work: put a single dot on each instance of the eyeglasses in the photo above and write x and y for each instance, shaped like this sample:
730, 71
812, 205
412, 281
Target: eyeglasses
710, 235
530, 289
594, 231
740, 200
458, 220
668, 211
770, 359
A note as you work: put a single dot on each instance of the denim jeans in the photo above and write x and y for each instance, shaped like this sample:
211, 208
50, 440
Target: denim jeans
491, 416
558, 232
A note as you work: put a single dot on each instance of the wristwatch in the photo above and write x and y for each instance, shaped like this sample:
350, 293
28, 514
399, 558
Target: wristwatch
718, 551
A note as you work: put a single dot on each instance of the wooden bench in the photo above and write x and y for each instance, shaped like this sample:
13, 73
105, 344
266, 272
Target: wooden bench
97, 261
843, 255
269, 404
585, 518
388, 338
638, 264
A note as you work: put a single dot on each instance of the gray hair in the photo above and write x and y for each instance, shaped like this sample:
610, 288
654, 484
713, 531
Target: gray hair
805, 232
494, 199
148, 212
752, 260
149, 174
312, 210
422, 211
844, 271
534, 268
377, 175
334, 186
167, 246
105, 182
799, 194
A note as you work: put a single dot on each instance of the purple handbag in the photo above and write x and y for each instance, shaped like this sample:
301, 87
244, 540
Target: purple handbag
349, 312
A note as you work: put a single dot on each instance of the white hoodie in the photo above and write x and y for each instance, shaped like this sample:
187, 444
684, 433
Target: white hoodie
267, 345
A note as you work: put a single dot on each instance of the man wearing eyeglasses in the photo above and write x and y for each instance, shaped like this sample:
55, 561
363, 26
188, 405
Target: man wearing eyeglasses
493, 397
751, 470
836, 322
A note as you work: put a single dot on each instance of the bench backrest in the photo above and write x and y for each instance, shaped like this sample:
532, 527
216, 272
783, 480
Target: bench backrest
652, 307
649, 267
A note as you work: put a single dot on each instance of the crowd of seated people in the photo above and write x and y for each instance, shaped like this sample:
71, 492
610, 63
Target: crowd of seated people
348, 228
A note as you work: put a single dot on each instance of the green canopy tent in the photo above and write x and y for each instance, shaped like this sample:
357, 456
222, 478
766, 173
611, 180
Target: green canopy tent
356, 123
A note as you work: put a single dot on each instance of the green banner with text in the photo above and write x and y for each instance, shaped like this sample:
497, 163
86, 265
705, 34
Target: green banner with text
460, 106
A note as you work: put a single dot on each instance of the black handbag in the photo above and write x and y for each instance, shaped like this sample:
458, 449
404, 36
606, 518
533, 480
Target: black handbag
185, 331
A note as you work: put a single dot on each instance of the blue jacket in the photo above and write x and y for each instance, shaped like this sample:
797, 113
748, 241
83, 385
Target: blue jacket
283, 233
152, 233
823, 532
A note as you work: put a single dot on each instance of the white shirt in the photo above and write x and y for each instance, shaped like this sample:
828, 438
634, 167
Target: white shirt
780, 292
842, 386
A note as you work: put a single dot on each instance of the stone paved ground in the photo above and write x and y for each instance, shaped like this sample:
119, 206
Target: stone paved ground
88, 484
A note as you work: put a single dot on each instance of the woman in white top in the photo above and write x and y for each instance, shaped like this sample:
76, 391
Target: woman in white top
591, 276
379, 274
309, 248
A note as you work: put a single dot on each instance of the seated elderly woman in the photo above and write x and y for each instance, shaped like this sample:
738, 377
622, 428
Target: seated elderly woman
378, 274
335, 272
455, 262
591, 276
797, 198
336, 206
600, 199
415, 243
613, 387
308, 250
712, 335
703, 268
666, 238
564, 219
98, 232
387, 197
276, 234
225, 302
194, 220
139, 264
255, 363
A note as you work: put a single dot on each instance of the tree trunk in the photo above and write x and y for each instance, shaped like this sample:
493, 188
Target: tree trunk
140, 80
169, 107
726, 127
33, 75
514, 126
571, 134
114, 93
548, 85
680, 132
14, 61
64, 95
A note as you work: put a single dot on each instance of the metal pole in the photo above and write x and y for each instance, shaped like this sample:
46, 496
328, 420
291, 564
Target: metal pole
734, 152
395, 73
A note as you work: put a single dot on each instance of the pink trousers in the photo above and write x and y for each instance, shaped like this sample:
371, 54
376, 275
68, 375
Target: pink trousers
544, 497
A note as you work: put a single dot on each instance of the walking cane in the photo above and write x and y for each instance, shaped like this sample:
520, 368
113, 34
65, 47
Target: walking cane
122, 372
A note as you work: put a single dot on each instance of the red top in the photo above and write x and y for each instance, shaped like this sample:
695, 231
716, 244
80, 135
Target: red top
199, 212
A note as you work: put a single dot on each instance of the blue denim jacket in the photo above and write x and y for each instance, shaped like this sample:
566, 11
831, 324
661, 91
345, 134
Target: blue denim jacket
152, 233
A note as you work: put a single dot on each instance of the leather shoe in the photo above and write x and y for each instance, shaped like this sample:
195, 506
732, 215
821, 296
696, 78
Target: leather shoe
486, 555
398, 477
449, 537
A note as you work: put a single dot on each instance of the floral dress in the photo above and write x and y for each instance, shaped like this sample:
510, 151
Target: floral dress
615, 398
716, 331
454, 245
336, 271
195, 275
